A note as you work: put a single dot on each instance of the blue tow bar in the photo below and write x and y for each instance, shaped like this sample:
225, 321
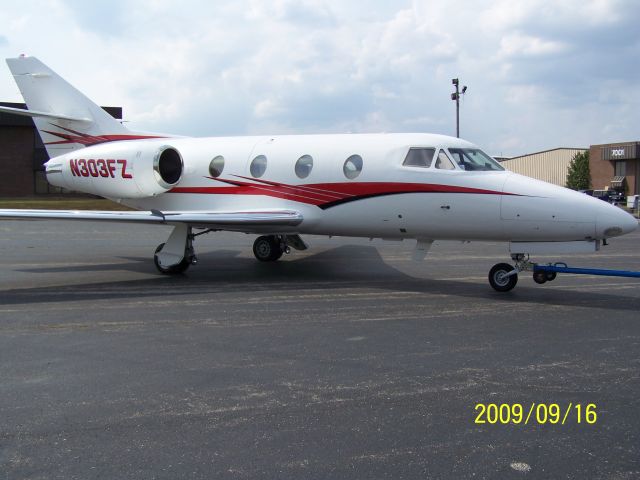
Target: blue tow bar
563, 268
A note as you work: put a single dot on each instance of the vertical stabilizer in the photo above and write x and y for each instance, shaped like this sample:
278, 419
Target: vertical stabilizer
65, 118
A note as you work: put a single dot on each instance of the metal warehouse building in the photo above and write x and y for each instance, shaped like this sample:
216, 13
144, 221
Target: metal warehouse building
550, 166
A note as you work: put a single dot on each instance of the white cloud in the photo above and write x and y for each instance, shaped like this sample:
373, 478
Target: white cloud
540, 73
308, 12
268, 108
525, 45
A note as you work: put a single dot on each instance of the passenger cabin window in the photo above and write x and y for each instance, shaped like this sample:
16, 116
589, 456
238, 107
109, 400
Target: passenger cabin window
419, 157
216, 166
443, 161
304, 165
474, 159
258, 166
352, 166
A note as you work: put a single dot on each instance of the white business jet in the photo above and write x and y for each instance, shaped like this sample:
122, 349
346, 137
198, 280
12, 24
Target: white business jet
392, 186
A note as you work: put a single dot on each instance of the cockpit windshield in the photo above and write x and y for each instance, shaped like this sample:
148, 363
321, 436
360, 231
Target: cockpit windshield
474, 159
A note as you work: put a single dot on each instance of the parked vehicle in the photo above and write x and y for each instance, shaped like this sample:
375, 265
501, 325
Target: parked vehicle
610, 195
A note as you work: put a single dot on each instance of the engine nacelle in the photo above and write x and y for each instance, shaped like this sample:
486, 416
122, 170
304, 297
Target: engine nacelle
118, 170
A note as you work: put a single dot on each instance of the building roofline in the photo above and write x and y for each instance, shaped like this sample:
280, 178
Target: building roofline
550, 150
632, 142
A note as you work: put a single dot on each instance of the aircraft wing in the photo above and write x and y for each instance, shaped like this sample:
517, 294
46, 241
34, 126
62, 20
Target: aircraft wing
240, 221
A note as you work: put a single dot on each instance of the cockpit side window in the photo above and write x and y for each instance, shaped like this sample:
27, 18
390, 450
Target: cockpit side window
458, 157
443, 161
474, 159
419, 157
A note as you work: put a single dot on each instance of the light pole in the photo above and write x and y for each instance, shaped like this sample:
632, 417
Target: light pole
456, 97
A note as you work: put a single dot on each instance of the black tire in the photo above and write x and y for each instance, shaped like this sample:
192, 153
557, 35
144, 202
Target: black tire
267, 248
498, 279
173, 269
540, 277
550, 276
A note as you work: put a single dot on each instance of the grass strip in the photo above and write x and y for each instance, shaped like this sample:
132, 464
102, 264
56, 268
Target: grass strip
61, 203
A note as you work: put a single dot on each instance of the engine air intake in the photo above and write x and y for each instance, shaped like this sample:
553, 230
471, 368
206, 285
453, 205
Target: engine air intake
168, 166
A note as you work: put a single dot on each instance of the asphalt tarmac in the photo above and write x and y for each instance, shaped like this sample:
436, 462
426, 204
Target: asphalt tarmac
346, 361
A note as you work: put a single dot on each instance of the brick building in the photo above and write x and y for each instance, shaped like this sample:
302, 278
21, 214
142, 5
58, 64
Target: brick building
616, 165
23, 155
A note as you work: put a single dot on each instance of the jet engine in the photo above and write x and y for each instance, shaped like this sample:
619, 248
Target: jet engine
138, 169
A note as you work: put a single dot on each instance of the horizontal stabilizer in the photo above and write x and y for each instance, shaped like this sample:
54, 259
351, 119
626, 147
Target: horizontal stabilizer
32, 113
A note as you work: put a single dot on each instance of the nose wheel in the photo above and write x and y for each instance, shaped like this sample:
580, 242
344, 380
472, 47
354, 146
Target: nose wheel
503, 277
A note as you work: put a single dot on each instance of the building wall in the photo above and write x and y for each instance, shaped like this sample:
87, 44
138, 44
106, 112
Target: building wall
602, 165
22, 155
601, 171
550, 166
16, 161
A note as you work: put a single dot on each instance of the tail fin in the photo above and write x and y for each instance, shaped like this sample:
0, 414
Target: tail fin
65, 118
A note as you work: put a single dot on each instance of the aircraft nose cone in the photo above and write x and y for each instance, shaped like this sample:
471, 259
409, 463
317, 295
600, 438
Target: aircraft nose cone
630, 224
613, 221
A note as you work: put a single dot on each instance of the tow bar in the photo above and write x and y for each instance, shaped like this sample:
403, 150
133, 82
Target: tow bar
564, 268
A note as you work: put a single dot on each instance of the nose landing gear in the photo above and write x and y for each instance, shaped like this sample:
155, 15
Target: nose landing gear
503, 277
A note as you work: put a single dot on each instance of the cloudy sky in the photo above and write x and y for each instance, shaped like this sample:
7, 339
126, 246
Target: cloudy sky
541, 74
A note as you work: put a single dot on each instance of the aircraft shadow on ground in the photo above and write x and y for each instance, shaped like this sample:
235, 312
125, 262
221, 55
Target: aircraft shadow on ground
344, 266
133, 264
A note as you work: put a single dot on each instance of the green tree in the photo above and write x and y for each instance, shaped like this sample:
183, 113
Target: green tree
578, 176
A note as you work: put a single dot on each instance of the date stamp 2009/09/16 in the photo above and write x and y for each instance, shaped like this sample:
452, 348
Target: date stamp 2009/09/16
535, 413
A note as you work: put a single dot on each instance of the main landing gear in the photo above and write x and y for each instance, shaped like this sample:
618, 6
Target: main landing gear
177, 254
269, 248
503, 276
180, 267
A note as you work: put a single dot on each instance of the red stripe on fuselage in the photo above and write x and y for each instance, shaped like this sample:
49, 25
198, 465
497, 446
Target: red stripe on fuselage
306, 189
341, 192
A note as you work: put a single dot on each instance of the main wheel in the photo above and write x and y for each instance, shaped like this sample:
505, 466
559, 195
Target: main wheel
550, 276
499, 278
267, 248
173, 269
